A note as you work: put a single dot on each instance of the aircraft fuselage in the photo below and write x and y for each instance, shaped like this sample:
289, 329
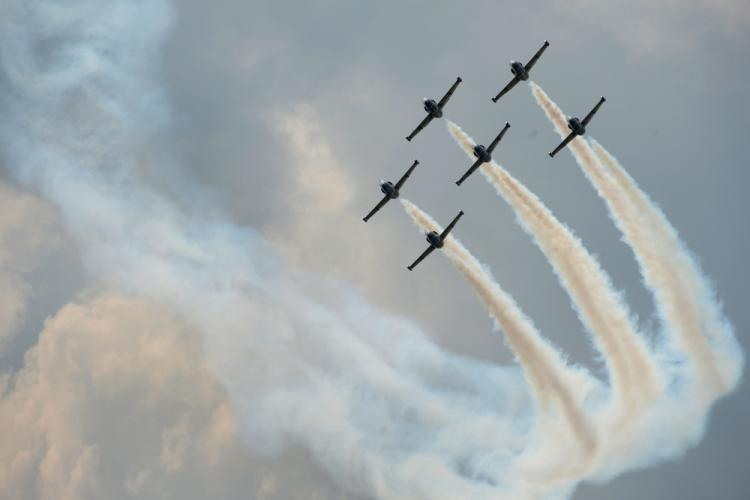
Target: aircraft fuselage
481, 152
434, 240
519, 70
432, 107
575, 125
389, 189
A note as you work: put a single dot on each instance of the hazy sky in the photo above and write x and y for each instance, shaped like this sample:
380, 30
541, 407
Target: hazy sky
288, 114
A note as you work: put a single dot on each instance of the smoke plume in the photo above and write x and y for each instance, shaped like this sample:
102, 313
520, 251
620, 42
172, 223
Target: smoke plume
557, 387
684, 298
599, 306
632, 428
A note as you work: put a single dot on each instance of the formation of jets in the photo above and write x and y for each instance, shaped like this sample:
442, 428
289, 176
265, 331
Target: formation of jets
482, 154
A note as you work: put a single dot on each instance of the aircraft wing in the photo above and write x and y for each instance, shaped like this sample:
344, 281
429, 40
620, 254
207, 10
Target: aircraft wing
380, 205
469, 172
402, 180
591, 114
450, 226
564, 143
536, 56
505, 90
499, 137
422, 125
421, 258
448, 94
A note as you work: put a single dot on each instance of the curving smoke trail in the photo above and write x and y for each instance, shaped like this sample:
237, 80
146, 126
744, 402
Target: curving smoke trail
556, 385
694, 327
660, 388
683, 296
635, 381
677, 281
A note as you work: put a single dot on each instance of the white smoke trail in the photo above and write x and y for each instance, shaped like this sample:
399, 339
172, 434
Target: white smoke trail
689, 311
634, 378
675, 262
664, 263
552, 381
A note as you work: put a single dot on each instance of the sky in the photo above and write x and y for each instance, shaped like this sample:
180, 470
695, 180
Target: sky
281, 119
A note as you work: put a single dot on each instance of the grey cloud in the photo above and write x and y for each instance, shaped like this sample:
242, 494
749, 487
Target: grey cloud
29, 230
665, 29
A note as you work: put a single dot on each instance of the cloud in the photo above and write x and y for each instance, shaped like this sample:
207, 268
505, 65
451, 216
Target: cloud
321, 187
320, 200
665, 27
29, 228
115, 401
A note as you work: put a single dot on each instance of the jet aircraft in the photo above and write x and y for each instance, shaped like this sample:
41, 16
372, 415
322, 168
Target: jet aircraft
391, 191
521, 72
578, 126
483, 155
434, 109
436, 240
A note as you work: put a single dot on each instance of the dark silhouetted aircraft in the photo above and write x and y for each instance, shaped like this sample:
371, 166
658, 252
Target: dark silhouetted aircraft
434, 109
578, 127
521, 72
436, 240
483, 154
390, 190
